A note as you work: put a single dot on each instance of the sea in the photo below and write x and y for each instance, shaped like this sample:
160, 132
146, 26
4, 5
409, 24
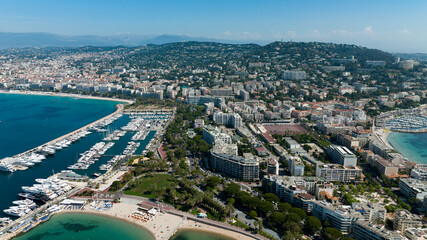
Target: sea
85, 226
95, 227
28, 121
32, 120
411, 145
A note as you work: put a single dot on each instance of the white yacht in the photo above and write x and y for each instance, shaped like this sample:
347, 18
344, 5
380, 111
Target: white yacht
7, 167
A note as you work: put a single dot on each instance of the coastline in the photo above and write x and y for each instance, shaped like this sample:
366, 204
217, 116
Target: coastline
119, 108
403, 143
163, 226
65, 95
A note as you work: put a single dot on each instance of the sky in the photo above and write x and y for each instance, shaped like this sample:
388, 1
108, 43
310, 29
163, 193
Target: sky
390, 25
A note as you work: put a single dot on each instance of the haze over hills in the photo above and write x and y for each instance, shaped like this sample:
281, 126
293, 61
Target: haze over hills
21, 40
42, 40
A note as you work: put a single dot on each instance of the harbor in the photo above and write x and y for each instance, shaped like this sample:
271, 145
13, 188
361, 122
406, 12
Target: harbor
105, 156
408, 123
33, 156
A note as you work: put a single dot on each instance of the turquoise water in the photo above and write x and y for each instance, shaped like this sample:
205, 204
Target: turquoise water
85, 226
198, 235
411, 145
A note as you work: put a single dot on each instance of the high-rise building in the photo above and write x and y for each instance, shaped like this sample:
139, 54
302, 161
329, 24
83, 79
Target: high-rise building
342, 155
338, 173
232, 119
413, 188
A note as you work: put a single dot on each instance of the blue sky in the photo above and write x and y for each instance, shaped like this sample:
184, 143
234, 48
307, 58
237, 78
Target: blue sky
386, 24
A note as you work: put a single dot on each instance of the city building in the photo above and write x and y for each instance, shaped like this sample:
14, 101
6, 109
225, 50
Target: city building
413, 188
383, 166
199, 123
292, 144
364, 230
231, 119
294, 75
339, 173
213, 134
342, 155
229, 163
296, 166
419, 172
341, 217
287, 187
416, 233
403, 220
273, 167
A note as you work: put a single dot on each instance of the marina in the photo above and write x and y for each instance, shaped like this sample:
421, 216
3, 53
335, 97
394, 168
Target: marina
101, 156
408, 123
34, 156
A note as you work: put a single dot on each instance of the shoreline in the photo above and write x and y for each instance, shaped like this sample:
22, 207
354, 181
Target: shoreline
163, 226
74, 95
119, 109
407, 156
91, 212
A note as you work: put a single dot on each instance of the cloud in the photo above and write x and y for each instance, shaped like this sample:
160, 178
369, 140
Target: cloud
314, 33
292, 34
368, 30
240, 35
405, 32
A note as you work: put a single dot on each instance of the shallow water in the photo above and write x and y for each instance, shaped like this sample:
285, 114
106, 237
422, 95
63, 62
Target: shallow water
411, 145
85, 226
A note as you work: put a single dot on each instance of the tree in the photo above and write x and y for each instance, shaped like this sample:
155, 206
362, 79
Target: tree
307, 147
313, 224
179, 153
293, 217
284, 207
331, 234
150, 154
213, 181
232, 189
292, 227
266, 207
253, 214
271, 197
300, 212
277, 218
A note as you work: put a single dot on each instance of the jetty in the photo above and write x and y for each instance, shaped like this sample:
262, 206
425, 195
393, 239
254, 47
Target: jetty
82, 131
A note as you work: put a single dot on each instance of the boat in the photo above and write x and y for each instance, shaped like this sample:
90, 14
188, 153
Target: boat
27, 202
17, 211
7, 167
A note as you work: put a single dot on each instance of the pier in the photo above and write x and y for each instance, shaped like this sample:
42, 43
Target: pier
10, 160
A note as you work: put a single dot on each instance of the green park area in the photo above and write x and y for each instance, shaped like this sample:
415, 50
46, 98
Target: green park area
150, 186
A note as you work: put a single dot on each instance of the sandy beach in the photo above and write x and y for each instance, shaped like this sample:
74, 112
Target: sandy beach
382, 135
162, 226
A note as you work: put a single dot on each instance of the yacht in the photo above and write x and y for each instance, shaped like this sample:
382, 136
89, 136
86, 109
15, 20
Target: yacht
27, 202
17, 211
7, 167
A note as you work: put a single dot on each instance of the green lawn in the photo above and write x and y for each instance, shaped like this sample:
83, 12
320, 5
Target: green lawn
146, 186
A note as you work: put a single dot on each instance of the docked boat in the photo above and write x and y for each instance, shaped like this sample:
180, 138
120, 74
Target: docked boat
7, 167
27, 202
17, 211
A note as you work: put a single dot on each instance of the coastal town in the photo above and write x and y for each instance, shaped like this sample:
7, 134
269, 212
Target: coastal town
283, 141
